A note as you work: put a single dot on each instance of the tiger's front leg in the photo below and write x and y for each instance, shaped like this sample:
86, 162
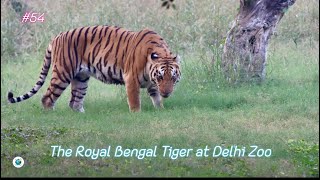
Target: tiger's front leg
133, 93
79, 87
155, 96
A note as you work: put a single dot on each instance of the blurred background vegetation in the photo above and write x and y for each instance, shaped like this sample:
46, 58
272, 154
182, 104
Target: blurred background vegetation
192, 26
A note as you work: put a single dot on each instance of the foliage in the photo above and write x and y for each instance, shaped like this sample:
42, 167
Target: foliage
306, 156
168, 3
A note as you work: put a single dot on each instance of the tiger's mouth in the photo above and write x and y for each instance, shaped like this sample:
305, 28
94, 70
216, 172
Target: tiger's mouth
165, 95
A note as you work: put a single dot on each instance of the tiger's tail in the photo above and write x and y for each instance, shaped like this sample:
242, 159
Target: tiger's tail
43, 75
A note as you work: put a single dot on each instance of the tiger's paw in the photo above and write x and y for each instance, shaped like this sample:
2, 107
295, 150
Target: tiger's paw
49, 108
79, 110
76, 107
134, 109
159, 106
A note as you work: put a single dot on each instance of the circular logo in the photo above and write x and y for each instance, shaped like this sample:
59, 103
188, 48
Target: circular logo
18, 162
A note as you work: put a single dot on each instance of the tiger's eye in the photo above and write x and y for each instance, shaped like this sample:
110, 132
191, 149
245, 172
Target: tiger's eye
154, 56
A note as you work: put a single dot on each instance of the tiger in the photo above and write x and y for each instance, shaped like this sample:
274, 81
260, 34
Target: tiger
113, 55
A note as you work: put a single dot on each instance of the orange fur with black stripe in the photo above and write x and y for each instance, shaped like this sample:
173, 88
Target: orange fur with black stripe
112, 55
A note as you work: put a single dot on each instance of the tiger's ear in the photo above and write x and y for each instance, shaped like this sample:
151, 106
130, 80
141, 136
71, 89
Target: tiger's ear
177, 59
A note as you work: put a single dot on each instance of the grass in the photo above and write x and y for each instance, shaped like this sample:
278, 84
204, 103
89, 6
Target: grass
282, 114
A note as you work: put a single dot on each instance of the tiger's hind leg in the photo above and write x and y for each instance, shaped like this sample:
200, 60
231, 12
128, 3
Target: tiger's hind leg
56, 88
79, 87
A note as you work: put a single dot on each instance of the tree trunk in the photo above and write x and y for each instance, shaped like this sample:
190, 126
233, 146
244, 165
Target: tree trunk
245, 49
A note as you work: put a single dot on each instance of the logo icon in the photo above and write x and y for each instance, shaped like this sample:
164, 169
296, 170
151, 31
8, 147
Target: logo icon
18, 162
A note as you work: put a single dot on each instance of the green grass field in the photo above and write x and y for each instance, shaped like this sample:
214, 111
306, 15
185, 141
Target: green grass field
281, 114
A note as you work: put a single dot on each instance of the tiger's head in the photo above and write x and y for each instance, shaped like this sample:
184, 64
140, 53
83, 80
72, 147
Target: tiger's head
164, 72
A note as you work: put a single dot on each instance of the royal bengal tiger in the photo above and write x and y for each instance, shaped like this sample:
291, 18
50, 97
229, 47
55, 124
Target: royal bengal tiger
112, 55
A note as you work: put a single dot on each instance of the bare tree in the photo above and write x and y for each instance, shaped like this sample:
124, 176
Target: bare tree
245, 49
